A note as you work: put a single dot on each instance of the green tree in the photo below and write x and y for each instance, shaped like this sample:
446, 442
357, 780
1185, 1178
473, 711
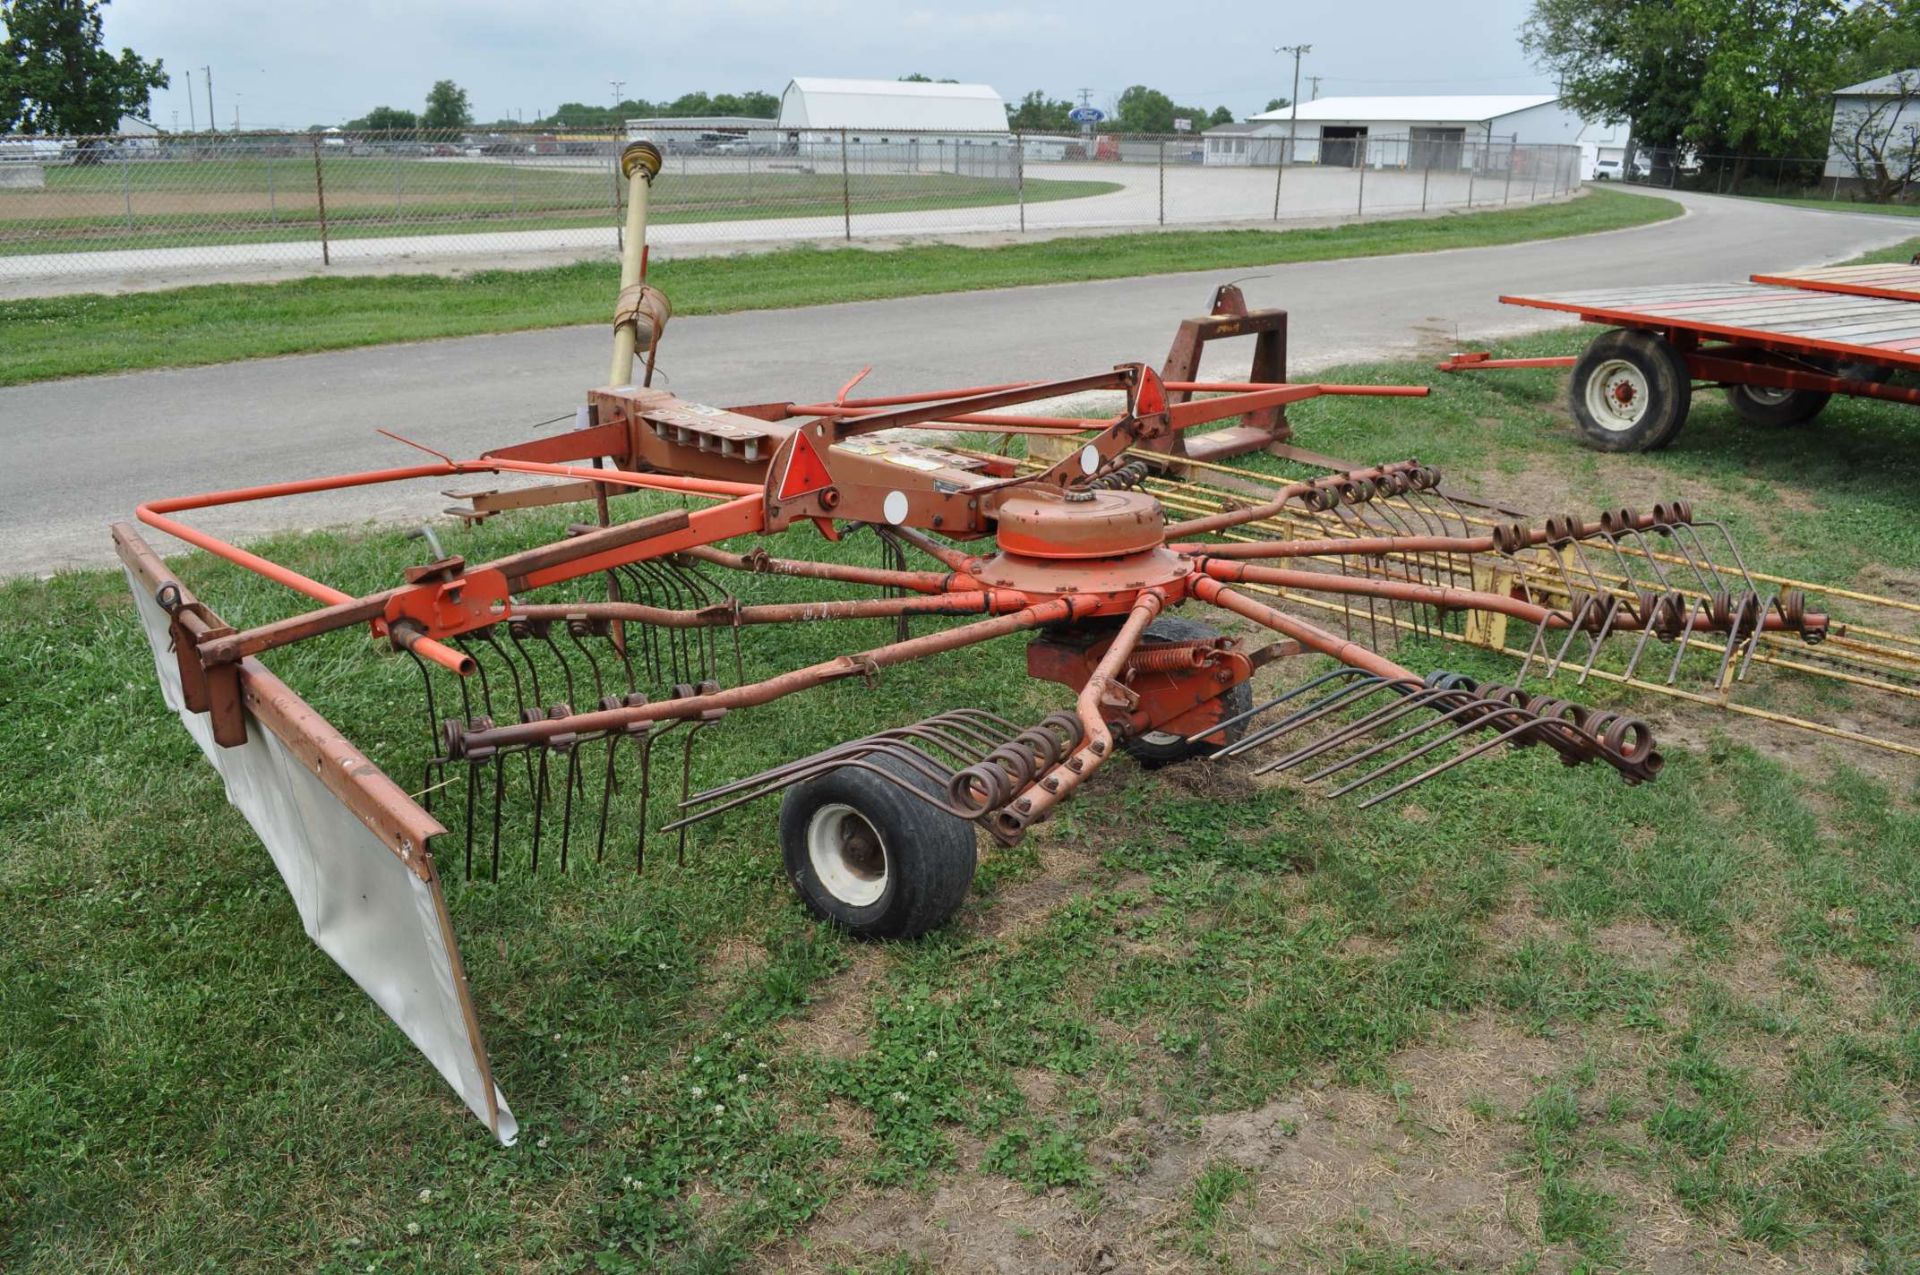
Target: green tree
916, 78
447, 107
57, 77
1881, 37
383, 119
1040, 113
1279, 103
1221, 115
1144, 110
1747, 76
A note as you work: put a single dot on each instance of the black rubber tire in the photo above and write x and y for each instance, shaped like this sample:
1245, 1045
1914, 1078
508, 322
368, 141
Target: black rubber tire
1156, 750
927, 855
1664, 391
1757, 406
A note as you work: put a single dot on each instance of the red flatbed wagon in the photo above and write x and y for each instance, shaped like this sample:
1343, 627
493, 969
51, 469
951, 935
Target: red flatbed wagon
1780, 346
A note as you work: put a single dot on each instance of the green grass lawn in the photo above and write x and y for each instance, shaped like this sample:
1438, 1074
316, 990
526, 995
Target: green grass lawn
1852, 206
85, 335
1199, 1021
1899, 254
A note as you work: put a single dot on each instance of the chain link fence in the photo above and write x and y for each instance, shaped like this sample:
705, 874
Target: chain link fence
108, 207
1765, 177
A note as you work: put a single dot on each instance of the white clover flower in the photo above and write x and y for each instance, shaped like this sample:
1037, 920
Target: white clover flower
425, 1196
628, 1182
761, 1065
740, 1079
719, 1108
543, 1143
698, 1092
413, 1228
662, 965
933, 1055
899, 1097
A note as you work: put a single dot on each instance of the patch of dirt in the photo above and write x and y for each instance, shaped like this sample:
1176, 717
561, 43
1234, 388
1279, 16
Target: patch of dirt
834, 1025
1065, 872
1639, 944
970, 1224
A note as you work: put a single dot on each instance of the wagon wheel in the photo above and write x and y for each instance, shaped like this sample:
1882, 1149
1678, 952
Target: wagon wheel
1630, 392
1156, 748
871, 858
1763, 405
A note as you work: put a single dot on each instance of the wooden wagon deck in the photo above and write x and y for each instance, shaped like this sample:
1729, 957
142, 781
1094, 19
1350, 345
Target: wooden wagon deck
1895, 282
1794, 317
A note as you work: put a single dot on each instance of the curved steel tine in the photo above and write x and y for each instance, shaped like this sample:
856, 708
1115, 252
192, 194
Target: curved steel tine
566, 816
539, 808
1313, 712
1573, 630
1465, 754
829, 753
1382, 746
851, 757
1760, 610
499, 797
1257, 709
1686, 639
566, 670
533, 671
1364, 725
1593, 648
1495, 708
649, 635
593, 665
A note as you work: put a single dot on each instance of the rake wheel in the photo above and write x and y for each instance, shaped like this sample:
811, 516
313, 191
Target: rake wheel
871, 858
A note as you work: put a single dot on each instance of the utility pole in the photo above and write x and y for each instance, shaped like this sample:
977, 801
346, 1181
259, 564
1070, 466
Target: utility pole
617, 86
1293, 118
213, 121
1315, 81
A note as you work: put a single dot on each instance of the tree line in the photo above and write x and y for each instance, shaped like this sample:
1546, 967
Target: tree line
1741, 77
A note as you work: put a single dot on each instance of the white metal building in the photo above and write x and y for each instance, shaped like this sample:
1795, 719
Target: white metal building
1413, 132
814, 111
1876, 107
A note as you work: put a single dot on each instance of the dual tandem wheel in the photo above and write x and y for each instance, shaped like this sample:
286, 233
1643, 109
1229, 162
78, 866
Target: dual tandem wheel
880, 863
1631, 391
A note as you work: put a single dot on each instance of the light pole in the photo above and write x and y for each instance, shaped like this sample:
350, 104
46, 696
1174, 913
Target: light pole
213, 121
1293, 118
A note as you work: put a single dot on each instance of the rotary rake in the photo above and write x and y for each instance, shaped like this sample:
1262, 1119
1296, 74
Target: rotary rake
557, 716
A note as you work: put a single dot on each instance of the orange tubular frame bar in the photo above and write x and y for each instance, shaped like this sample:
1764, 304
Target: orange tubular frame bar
742, 514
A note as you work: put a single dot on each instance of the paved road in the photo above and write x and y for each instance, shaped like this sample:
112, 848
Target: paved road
80, 453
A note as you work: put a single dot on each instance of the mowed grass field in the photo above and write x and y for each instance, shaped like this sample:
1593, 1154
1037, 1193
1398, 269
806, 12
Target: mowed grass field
84, 334
165, 203
1529, 1020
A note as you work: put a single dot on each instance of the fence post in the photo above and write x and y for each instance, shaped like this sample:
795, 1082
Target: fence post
399, 168
320, 193
846, 189
1426, 176
619, 222
1506, 193
1020, 177
1360, 206
1163, 181
1533, 180
273, 203
1473, 171
513, 184
126, 184
1279, 170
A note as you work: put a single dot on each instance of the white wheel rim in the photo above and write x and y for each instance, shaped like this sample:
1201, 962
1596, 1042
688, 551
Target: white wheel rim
1617, 395
1161, 738
848, 855
1766, 395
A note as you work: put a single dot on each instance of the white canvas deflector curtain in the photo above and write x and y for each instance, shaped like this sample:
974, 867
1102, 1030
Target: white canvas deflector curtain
383, 925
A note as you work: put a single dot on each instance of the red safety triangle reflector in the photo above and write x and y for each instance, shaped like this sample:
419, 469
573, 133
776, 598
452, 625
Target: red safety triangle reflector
1150, 399
805, 471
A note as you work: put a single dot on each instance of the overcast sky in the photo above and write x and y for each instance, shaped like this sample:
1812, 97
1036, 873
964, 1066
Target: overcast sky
298, 62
